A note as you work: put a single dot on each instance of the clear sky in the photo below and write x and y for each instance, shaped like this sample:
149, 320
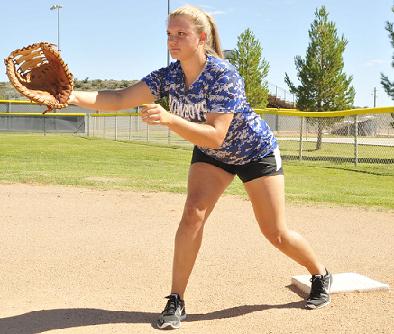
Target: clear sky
126, 39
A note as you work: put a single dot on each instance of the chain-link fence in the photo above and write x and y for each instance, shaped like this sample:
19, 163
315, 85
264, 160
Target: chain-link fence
127, 126
24, 116
352, 138
359, 136
364, 137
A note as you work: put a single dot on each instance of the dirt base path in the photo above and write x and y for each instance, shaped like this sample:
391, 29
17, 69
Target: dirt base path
85, 261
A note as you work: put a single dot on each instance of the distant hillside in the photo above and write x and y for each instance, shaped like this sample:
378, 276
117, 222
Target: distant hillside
7, 92
98, 84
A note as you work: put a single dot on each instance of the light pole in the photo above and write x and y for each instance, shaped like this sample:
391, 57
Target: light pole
374, 97
54, 7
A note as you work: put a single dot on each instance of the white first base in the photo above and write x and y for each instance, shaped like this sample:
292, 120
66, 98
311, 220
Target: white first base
343, 282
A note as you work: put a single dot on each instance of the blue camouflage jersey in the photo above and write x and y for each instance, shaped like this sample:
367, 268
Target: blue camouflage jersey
218, 89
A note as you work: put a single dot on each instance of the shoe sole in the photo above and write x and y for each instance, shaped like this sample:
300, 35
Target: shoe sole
314, 307
171, 324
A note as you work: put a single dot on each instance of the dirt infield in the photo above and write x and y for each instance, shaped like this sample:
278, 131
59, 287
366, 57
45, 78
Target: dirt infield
85, 261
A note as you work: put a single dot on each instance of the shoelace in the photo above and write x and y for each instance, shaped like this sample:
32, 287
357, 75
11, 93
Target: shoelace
317, 286
172, 304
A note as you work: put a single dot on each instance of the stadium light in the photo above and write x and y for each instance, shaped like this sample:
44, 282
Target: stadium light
58, 7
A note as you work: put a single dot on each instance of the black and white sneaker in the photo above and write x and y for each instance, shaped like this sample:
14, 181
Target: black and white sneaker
173, 313
320, 291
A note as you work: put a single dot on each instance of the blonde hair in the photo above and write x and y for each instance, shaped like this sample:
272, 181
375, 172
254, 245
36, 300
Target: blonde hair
203, 22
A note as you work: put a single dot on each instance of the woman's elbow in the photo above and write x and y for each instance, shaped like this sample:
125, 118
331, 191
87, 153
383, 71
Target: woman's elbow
216, 143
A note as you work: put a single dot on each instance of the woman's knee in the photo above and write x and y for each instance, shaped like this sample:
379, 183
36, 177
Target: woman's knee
276, 237
194, 215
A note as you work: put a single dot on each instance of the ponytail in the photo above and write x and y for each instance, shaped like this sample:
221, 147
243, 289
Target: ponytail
215, 40
203, 22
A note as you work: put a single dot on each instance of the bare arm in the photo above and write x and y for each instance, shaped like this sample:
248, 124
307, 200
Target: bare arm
113, 100
210, 134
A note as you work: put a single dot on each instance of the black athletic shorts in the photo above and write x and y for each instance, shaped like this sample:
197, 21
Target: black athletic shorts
269, 165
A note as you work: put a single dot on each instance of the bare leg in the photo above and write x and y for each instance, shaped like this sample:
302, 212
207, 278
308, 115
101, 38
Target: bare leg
206, 184
268, 200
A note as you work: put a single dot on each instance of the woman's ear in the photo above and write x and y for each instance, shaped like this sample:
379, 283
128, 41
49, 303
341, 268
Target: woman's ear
203, 37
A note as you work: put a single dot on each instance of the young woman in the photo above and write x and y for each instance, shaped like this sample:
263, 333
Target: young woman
208, 108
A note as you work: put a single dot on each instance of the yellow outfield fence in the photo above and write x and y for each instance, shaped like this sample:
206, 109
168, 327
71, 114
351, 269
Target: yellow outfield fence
25, 116
358, 135
349, 112
34, 114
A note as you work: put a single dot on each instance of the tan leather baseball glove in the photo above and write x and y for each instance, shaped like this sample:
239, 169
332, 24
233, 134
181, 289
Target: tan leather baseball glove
38, 72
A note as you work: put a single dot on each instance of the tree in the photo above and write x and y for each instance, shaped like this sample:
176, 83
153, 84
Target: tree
2, 91
247, 59
7, 91
386, 83
99, 84
323, 84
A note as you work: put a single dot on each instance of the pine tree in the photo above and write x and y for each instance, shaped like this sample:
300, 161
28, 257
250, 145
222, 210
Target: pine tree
247, 59
386, 83
323, 84
8, 92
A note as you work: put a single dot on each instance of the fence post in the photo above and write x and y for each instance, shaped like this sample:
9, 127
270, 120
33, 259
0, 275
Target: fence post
169, 136
87, 124
94, 125
138, 122
129, 127
355, 141
8, 118
301, 131
44, 126
104, 121
116, 127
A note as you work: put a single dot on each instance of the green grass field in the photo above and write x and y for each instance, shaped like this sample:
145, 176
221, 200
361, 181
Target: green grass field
107, 164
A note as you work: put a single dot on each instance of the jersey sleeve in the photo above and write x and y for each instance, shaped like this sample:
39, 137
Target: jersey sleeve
157, 81
227, 94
